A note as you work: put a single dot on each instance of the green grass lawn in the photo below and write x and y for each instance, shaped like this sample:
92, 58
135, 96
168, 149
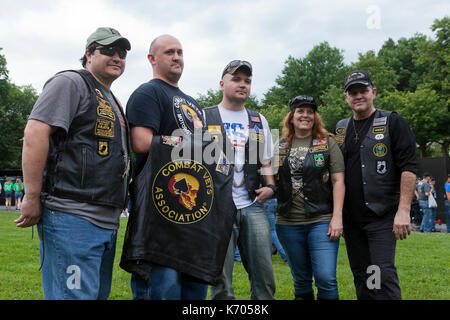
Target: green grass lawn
423, 263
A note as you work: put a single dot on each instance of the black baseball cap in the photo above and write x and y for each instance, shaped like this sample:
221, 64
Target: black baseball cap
357, 77
236, 65
299, 101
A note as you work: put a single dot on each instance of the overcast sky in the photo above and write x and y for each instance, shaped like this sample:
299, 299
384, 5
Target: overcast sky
40, 38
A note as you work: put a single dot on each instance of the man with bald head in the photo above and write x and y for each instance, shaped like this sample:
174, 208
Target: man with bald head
158, 108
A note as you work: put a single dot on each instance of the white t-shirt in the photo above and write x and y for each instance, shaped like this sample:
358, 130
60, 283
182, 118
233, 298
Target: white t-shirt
237, 129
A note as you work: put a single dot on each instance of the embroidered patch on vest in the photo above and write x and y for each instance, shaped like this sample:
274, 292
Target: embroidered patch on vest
104, 109
381, 167
255, 119
379, 129
104, 128
380, 150
319, 160
321, 148
380, 121
257, 136
103, 148
170, 140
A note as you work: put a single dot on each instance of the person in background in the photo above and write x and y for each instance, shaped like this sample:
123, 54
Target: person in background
424, 192
447, 202
18, 193
270, 206
433, 209
310, 198
8, 187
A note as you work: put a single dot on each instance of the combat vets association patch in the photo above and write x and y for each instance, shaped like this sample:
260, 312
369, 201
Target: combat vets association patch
380, 150
103, 148
104, 128
183, 191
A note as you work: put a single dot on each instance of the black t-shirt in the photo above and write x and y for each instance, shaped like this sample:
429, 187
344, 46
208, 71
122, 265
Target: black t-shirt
164, 108
403, 147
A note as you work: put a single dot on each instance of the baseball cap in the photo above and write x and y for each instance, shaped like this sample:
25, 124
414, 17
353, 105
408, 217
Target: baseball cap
357, 77
106, 36
299, 101
234, 65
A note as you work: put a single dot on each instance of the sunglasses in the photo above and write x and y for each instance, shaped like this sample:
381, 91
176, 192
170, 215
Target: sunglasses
111, 51
301, 100
236, 63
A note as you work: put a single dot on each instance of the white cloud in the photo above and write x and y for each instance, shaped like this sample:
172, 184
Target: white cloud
44, 37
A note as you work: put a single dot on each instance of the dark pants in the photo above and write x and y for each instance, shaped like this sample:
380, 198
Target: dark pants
371, 253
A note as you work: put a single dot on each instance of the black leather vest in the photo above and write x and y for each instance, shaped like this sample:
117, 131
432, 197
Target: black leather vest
317, 187
88, 164
381, 178
181, 216
254, 147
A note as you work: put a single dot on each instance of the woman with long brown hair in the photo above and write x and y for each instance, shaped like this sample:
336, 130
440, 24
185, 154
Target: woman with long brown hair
310, 198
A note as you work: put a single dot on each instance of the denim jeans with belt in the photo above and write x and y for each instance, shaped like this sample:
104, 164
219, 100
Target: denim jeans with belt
77, 257
311, 253
251, 233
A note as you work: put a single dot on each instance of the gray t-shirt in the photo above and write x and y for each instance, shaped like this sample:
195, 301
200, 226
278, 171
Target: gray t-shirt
64, 96
423, 187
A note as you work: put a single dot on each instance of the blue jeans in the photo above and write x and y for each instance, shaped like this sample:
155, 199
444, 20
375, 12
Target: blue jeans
251, 233
311, 253
427, 220
77, 257
270, 206
166, 284
447, 218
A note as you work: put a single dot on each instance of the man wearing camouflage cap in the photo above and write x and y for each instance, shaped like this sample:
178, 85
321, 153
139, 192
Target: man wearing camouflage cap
76, 166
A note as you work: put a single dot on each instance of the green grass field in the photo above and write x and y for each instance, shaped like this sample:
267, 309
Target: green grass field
423, 263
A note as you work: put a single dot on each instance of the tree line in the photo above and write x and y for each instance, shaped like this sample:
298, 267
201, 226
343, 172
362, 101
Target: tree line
411, 77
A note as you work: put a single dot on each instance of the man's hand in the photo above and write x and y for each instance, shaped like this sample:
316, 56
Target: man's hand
263, 194
31, 211
402, 224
